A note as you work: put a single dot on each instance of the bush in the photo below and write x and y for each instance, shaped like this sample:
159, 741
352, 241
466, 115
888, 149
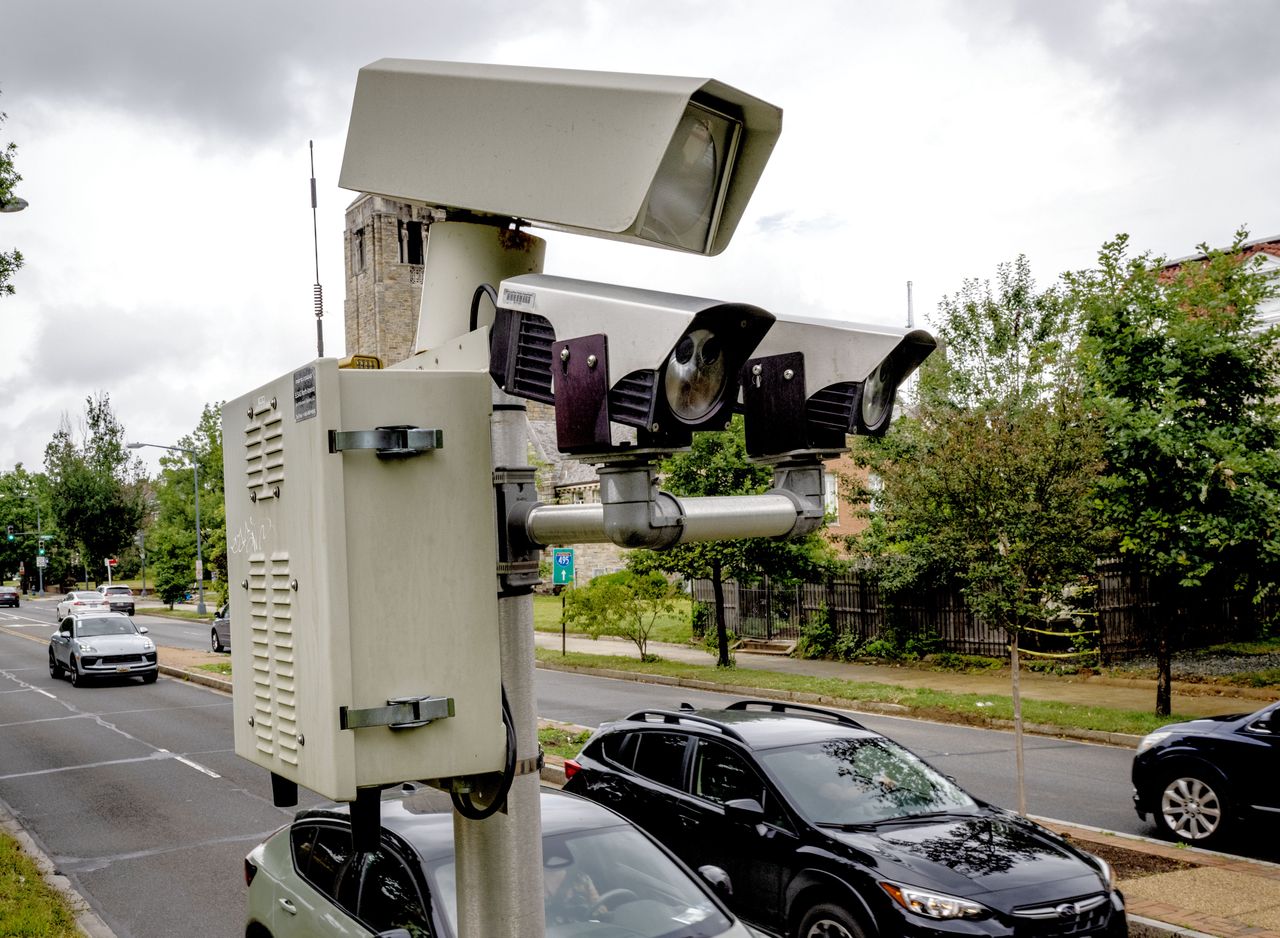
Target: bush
818, 638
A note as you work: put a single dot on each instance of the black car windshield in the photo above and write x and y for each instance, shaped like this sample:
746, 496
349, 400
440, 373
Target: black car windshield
861, 781
116, 625
607, 882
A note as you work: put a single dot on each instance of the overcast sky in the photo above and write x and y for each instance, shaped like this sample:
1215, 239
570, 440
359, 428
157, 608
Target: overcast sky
163, 147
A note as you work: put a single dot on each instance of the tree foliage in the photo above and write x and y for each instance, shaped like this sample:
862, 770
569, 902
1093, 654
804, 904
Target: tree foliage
24, 504
626, 604
1186, 382
94, 485
172, 537
717, 464
10, 261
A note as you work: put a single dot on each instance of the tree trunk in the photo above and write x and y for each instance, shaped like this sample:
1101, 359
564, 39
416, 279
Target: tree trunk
1164, 669
722, 633
1019, 758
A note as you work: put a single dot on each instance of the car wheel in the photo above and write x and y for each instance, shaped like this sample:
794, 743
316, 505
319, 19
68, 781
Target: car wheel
55, 669
1191, 808
76, 677
213, 640
150, 677
827, 920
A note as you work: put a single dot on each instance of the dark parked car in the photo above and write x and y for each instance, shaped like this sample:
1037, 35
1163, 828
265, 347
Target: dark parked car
9, 596
1201, 779
603, 878
220, 634
118, 597
829, 830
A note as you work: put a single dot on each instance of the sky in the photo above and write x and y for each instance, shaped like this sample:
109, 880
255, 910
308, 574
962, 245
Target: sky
164, 150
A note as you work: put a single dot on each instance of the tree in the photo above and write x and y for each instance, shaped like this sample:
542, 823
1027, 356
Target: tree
625, 603
94, 485
173, 535
717, 464
1186, 381
11, 261
24, 504
989, 483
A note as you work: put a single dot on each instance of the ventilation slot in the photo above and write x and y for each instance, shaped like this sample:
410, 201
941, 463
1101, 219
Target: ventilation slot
264, 451
631, 399
832, 408
531, 376
275, 705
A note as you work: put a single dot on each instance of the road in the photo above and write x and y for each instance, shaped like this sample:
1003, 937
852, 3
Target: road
135, 792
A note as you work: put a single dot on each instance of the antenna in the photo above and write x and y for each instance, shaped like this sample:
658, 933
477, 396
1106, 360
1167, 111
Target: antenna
317, 292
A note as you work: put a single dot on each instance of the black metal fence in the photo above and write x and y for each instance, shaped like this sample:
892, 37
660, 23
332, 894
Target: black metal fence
1120, 604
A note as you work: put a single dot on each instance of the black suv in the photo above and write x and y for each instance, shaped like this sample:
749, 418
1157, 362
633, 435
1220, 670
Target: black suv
1198, 780
829, 830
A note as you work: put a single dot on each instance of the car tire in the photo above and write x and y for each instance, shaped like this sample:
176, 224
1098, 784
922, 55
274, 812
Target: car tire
828, 920
1192, 807
75, 676
150, 677
55, 669
213, 641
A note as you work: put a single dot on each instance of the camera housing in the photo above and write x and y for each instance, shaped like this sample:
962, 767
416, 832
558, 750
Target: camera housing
811, 382
669, 365
651, 159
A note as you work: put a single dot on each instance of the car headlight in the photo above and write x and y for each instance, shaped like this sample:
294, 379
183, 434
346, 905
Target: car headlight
1152, 738
85, 646
148, 645
933, 904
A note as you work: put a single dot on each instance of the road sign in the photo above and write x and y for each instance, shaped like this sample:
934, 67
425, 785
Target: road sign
42, 561
111, 562
562, 566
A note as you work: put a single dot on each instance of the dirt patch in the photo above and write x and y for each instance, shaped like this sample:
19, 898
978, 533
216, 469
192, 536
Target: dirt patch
190, 658
1134, 864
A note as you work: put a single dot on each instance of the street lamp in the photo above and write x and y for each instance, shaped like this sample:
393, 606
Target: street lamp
195, 470
39, 540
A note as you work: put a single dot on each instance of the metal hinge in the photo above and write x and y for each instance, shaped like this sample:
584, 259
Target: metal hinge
395, 442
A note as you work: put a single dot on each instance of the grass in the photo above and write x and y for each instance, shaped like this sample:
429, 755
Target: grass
29, 908
178, 613
562, 742
676, 628
217, 667
922, 702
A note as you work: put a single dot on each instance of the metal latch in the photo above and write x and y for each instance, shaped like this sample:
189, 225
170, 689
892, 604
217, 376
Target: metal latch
400, 713
396, 442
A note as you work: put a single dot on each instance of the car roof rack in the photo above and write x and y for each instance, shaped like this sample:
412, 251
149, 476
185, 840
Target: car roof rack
778, 706
672, 717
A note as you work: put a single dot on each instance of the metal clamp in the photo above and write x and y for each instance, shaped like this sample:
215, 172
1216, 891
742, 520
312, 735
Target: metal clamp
400, 713
395, 442
531, 765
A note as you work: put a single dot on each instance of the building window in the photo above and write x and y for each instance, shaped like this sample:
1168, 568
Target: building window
410, 237
831, 498
357, 250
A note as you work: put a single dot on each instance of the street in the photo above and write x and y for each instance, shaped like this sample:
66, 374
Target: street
136, 794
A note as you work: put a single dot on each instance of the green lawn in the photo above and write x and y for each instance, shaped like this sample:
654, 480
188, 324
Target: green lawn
28, 907
675, 628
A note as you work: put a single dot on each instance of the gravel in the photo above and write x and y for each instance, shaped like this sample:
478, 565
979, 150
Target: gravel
1192, 666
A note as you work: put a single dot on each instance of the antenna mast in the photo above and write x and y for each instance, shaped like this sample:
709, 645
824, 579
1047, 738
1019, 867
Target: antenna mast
317, 292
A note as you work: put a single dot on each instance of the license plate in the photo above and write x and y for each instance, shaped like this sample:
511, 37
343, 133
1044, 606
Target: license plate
123, 667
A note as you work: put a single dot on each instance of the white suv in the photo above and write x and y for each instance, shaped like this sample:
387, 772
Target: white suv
119, 597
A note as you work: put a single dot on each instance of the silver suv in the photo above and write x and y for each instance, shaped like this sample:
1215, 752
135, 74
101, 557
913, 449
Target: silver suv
119, 597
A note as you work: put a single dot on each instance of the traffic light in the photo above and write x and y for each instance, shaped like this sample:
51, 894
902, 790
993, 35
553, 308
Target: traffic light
9, 534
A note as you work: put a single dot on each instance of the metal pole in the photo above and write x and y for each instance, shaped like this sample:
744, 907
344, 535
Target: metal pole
195, 473
39, 545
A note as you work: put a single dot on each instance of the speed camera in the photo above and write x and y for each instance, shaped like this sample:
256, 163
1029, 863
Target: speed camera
651, 159
668, 364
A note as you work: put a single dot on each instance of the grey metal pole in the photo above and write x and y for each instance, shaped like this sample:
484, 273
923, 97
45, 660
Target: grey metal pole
195, 470
39, 547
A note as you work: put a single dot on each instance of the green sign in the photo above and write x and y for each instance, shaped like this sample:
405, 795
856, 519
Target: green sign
562, 566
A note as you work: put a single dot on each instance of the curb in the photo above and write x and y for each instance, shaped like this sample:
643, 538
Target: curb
1140, 927
86, 919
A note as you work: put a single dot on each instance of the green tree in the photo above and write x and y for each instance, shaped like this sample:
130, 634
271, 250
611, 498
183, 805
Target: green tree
23, 504
173, 534
717, 464
989, 483
1186, 381
10, 261
94, 485
627, 604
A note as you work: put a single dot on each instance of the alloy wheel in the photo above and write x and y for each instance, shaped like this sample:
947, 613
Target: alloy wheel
1191, 809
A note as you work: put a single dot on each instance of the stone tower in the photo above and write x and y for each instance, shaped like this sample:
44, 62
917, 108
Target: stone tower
386, 241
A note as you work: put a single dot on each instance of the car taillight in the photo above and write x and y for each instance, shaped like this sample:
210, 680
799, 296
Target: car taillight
571, 769
250, 871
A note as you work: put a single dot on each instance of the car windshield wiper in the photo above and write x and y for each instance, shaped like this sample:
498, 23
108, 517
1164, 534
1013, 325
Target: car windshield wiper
847, 825
927, 816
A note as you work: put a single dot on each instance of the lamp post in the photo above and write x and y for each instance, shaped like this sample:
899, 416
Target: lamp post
195, 470
39, 541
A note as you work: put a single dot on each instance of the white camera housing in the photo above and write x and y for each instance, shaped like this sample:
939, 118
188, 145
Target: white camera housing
812, 381
651, 159
668, 366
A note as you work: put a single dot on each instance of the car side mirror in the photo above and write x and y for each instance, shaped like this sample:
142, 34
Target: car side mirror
142, 629
718, 880
1266, 724
746, 810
